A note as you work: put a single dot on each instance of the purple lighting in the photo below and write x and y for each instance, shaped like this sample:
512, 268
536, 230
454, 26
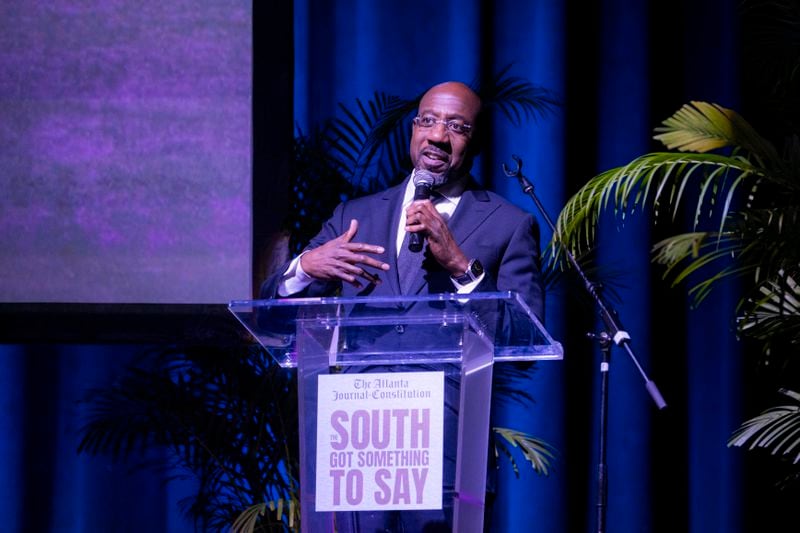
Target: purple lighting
125, 151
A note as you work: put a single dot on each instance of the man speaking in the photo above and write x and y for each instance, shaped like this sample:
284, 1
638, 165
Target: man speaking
436, 232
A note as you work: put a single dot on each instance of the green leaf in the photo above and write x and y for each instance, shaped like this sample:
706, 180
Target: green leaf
702, 127
536, 451
629, 187
776, 430
246, 522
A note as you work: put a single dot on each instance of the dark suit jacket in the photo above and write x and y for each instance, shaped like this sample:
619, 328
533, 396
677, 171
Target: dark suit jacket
502, 236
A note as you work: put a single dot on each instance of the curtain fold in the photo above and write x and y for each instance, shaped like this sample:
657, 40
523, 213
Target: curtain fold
619, 68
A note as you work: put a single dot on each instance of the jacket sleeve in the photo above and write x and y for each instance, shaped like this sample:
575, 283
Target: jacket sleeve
519, 266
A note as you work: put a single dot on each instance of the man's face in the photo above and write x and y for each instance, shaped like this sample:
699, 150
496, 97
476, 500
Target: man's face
436, 148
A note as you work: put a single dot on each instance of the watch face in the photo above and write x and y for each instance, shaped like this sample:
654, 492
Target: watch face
477, 268
474, 271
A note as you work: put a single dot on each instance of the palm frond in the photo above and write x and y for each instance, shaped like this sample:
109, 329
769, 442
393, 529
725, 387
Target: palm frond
511, 383
776, 430
756, 243
364, 141
702, 127
246, 522
656, 178
371, 141
775, 312
678, 248
536, 451
368, 144
695, 252
318, 184
227, 417
286, 515
772, 235
663, 180
516, 98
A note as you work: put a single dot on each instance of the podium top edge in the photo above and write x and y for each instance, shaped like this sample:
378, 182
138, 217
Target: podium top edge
334, 300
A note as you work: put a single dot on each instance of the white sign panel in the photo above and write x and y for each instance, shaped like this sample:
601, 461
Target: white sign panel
380, 441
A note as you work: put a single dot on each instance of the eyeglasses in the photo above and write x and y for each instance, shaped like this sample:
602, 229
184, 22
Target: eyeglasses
454, 126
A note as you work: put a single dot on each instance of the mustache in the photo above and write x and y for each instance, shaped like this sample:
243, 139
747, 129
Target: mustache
436, 152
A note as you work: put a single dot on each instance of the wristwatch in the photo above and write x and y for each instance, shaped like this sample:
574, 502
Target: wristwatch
474, 271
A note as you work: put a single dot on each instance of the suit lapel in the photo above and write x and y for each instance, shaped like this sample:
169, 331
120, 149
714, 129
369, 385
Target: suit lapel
393, 202
472, 211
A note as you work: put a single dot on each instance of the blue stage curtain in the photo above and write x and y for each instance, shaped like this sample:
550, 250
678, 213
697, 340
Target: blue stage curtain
619, 68
44, 484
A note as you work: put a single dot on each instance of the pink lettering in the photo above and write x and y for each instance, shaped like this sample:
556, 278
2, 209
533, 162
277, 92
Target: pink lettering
355, 487
380, 432
383, 496
419, 475
337, 486
420, 428
360, 429
400, 415
337, 417
374, 429
401, 487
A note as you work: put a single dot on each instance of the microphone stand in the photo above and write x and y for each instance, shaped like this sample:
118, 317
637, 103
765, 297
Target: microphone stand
613, 333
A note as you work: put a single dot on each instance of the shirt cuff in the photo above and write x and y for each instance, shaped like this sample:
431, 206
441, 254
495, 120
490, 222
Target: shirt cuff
468, 287
294, 279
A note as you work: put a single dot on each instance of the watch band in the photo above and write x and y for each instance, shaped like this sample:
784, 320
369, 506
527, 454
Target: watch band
474, 271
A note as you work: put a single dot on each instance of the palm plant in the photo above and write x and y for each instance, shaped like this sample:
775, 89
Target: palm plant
752, 187
737, 175
225, 416
228, 415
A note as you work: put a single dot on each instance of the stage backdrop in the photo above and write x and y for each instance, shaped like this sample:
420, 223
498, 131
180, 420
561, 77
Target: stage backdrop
125, 151
152, 97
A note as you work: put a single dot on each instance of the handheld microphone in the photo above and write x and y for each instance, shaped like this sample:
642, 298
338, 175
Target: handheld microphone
423, 182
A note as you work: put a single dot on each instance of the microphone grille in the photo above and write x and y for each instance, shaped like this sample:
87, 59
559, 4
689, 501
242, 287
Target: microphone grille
426, 177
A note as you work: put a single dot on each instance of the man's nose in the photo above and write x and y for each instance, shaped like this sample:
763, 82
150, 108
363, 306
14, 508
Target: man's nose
439, 131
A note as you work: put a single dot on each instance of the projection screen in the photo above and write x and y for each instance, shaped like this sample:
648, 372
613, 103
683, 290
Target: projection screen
125, 151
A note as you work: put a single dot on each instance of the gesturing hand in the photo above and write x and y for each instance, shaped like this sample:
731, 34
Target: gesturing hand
340, 258
422, 216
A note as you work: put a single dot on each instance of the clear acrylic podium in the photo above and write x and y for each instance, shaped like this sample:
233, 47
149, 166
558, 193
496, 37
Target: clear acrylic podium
394, 400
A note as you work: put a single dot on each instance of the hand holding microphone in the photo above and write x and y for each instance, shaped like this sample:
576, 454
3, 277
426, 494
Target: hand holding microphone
423, 183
